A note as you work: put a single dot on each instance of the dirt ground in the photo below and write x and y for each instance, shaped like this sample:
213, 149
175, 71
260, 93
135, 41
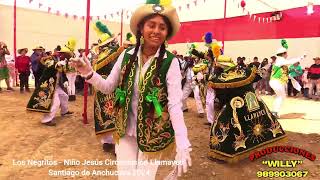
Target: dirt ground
22, 137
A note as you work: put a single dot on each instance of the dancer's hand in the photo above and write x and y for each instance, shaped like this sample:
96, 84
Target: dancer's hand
183, 159
82, 65
66, 84
61, 63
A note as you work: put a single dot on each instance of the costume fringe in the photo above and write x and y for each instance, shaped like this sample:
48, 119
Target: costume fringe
116, 137
109, 59
165, 153
234, 84
104, 133
38, 110
236, 158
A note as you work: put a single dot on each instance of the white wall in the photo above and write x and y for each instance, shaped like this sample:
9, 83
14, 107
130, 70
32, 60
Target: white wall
48, 30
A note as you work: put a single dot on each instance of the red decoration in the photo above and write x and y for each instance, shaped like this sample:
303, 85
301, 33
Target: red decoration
49, 9
58, 13
90, 18
243, 4
82, 18
66, 15
75, 17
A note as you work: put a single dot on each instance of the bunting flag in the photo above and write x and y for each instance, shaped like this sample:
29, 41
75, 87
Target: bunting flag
128, 13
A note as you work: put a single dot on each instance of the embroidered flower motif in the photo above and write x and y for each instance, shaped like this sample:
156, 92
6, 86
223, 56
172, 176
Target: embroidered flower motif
157, 81
165, 135
108, 107
149, 122
41, 94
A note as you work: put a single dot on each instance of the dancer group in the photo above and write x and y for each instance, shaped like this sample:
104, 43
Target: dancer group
139, 99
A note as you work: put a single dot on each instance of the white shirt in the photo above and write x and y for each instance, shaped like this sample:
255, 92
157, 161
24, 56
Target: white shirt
173, 80
281, 61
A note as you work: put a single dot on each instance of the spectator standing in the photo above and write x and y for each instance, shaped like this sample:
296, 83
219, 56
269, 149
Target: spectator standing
4, 71
37, 67
23, 63
314, 78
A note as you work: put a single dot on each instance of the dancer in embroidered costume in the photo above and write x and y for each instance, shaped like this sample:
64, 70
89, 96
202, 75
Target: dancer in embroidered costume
52, 90
244, 122
107, 51
147, 84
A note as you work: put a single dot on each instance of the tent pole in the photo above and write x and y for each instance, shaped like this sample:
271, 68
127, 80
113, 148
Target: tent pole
15, 35
121, 31
85, 96
224, 21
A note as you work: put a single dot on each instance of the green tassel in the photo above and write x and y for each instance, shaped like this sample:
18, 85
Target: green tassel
153, 2
129, 35
284, 43
103, 28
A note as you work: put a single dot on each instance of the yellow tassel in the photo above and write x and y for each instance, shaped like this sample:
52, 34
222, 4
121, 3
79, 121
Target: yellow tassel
133, 40
165, 2
216, 50
97, 30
